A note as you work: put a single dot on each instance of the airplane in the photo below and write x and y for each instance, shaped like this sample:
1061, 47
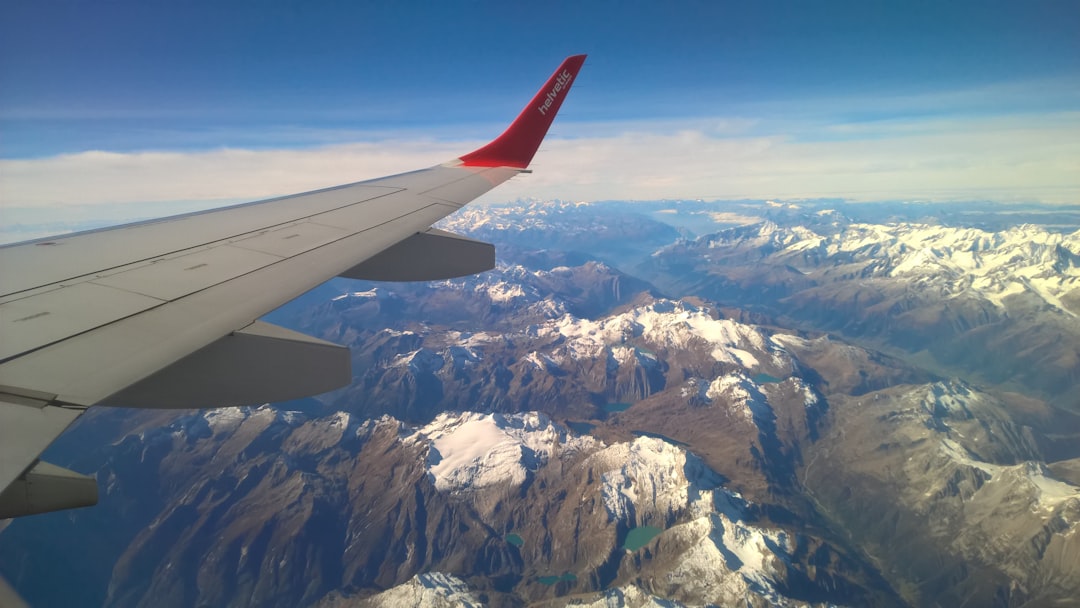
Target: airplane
165, 313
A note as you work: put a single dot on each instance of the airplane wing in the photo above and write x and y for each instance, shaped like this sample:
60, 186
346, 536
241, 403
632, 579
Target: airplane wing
164, 314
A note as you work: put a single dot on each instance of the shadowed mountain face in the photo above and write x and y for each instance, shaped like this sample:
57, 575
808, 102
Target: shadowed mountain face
558, 430
334, 504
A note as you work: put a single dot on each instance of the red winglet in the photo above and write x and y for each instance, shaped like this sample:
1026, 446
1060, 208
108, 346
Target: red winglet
518, 144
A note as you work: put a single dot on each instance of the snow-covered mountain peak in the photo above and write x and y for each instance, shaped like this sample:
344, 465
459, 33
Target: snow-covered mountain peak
383, 423
459, 356
951, 260
732, 561
225, 418
650, 475
517, 217
667, 324
427, 590
421, 360
510, 283
723, 555
505, 292
374, 293
229, 419
628, 596
953, 399
763, 234
1043, 489
1028, 483
468, 451
741, 395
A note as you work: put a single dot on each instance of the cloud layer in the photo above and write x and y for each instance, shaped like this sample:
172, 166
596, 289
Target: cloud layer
998, 158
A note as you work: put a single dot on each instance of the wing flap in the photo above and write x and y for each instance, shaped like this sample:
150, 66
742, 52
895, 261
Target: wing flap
259, 364
26, 426
427, 256
47, 487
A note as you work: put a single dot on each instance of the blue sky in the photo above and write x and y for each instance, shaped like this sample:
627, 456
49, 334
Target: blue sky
109, 101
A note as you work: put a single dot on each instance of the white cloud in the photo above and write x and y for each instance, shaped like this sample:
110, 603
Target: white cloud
1001, 158
1006, 158
108, 177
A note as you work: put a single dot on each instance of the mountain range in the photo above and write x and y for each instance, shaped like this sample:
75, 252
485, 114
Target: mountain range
674, 403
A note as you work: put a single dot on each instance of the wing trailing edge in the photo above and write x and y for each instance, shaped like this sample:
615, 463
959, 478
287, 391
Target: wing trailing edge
260, 363
46, 487
433, 255
30, 485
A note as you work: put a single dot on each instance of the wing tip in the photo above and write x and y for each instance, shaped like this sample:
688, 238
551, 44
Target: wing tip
519, 143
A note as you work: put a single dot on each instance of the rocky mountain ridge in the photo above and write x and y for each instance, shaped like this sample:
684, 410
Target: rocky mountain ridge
558, 431
969, 261
1000, 306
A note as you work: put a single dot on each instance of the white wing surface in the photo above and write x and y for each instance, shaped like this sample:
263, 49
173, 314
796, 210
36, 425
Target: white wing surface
164, 313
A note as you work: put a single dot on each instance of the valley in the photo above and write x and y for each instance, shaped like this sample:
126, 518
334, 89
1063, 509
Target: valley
756, 403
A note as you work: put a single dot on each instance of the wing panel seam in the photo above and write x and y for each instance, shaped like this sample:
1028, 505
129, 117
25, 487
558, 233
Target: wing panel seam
187, 295
218, 242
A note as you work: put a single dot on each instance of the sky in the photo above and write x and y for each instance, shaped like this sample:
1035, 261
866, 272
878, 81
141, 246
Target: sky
125, 109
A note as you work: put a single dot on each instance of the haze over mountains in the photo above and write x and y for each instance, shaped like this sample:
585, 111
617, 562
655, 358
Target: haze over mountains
669, 403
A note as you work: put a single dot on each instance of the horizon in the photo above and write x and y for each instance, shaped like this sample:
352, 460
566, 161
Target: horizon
204, 105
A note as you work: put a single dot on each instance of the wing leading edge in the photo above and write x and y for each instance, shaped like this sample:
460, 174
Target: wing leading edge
165, 313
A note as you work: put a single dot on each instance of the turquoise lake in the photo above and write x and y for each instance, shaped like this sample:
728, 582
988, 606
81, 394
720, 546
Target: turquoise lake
639, 537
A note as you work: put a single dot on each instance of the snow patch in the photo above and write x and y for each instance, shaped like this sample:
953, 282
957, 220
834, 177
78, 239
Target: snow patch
225, 418
504, 292
731, 561
369, 294
428, 590
666, 324
742, 396
471, 450
650, 474
628, 595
